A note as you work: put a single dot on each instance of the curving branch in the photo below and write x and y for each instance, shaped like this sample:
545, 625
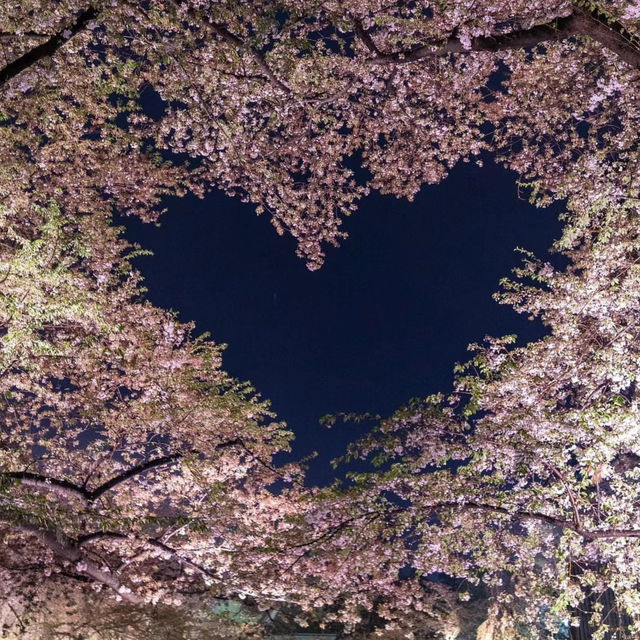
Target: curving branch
469, 505
580, 23
368, 517
541, 517
70, 490
62, 488
99, 491
93, 495
154, 543
574, 505
490, 508
65, 549
48, 48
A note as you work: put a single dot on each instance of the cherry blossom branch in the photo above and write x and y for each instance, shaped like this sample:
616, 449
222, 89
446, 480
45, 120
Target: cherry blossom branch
610, 533
580, 22
574, 506
557, 30
48, 48
480, 506
365, 37
150, 542
69, 489
472, 505
530, 515
61, 487
66, 550
93, 495
221, 31
96, 493
609, 33
8, 35
16, 615
271, 468
225, 34
345, 524
165, 548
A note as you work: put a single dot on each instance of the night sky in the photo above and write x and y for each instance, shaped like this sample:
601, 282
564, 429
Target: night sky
383, 321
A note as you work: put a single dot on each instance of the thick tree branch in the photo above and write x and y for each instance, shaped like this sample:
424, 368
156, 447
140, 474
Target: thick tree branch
530, 515
580, 22
366, 38
60, 487
610, 34
154, 543
557, 30
48, 48
66, 550
68, 489
93, 495
96, 493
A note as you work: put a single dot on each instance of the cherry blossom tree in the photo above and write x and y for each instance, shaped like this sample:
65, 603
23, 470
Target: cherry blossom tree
136, 478
524, 482
280, 101
132, 467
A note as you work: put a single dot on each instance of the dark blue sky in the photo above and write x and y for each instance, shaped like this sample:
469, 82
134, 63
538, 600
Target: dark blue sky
383, 321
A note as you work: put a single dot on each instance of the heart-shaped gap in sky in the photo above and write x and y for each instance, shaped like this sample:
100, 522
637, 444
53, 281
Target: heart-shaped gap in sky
383, 321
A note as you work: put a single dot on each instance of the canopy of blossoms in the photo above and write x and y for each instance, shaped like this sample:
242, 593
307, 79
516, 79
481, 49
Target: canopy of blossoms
134, 470
278, 101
